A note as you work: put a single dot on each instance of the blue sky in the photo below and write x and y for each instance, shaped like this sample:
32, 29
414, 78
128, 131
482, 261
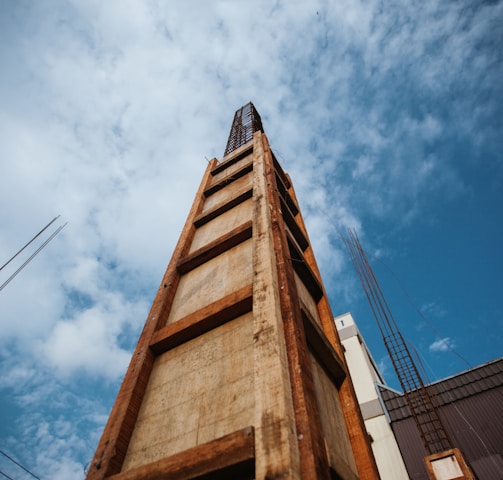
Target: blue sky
387, 115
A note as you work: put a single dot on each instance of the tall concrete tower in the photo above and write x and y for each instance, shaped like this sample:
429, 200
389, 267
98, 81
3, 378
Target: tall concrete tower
239, 372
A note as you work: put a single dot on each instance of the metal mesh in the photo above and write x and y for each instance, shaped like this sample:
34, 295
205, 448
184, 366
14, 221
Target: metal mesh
421, 401
246, 122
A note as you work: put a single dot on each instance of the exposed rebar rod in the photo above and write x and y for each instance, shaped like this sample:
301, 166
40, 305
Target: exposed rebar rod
419, 399
246, 122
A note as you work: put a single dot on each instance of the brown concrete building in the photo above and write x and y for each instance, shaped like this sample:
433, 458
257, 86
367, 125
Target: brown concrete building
239, 371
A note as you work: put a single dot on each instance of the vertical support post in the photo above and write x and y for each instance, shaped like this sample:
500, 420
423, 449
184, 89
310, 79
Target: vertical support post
312, 449
364, 457
276, 449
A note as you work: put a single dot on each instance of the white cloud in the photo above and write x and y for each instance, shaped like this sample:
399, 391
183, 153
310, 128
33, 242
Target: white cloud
433, 309
108, 114
442, 345
90, 340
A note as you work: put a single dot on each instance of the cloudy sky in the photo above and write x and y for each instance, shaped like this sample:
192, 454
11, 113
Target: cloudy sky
387, 114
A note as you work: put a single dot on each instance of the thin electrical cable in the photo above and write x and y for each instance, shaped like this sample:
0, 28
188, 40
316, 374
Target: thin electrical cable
376, 298
408, 298
31, 257
419, 361
451, 401
18, 464
418, 311
5, 475
433, 390
418, 398
31, 241
359, 269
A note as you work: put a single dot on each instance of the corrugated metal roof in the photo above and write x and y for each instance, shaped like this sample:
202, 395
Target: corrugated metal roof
465, 384
471, 406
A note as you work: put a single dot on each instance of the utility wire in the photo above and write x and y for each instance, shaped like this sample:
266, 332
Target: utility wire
5, 475
452, 401
418, 311
36, 236
32, 256
19, 465
409, 299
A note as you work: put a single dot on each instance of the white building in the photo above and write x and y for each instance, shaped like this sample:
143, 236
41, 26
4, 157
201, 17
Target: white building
366, 376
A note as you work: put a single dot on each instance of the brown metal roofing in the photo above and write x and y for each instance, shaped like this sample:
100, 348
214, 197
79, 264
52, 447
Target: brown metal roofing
465, 384
471, 406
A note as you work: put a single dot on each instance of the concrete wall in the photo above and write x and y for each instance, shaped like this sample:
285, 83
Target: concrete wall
238, 366
365, 376
198, 391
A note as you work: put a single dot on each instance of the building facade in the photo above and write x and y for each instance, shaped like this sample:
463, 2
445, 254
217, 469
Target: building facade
471, 406
366, 380
469, 403
239, 371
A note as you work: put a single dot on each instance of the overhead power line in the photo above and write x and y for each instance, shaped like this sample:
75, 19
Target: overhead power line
423, 317
31, 241
5, 475
32, 256
18, 464
420, 400
407, 296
